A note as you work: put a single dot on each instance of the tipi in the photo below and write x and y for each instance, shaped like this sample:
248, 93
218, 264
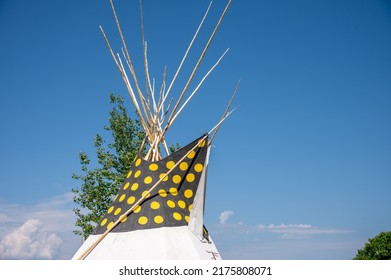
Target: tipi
158, 212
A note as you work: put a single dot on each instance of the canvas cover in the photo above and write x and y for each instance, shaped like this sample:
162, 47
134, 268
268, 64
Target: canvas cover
168, 223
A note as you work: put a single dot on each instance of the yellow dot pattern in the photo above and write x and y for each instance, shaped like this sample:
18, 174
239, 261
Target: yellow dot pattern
191, 154
201, 143
173, 191
158, 219
170, 164
134, 187
117, 211
198, 167
183, 166
176, 179
131, 200
148, 180
153, 167
137, 209
162, 193
137, 174
146, 194
177, 216
169, 204
188, 193
155, 205
182, 204
190, 177
123, 220
110, 225
164, 177
142, 220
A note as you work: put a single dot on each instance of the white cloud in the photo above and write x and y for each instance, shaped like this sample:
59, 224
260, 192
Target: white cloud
3, 217
283, 241
298, 230
224, 216
29, 241
55, 214
39, 231
287, 230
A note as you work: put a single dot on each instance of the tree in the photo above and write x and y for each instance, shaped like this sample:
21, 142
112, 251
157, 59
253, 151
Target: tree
100, 184
377, 248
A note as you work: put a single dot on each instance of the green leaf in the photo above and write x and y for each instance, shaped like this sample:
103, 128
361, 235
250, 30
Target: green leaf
100, 182
377, 248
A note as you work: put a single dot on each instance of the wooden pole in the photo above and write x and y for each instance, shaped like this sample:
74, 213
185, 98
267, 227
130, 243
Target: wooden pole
198, 86
196, 67
129, 61
187, 51
126, 81
226, 112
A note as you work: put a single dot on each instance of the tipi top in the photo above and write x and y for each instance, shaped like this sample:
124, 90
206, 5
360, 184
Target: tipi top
170, 203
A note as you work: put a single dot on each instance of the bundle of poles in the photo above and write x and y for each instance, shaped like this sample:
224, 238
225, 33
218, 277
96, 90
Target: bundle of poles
156, 111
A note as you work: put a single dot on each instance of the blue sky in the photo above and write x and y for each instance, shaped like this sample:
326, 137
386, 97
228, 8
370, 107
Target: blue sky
300, 171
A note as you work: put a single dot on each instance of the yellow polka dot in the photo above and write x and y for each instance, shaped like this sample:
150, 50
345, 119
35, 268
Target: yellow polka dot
134, 186
122, 197
177, 216
117, 211
183, 166
124, 219
170, 203
163, 175
142, 220
190, 177
158, 219
129, 174
103, 222
137, 174
191, 154
148, 180
187, 218
155, 205
162, 193
126, 185
198, 167
115, 197
188, 193
181, 204
146, 194
176, 179
170, 164
174, 191
190, 207
110, 225
137, 209
110, 209
131, 200
153, 167
201, 143
138, 161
